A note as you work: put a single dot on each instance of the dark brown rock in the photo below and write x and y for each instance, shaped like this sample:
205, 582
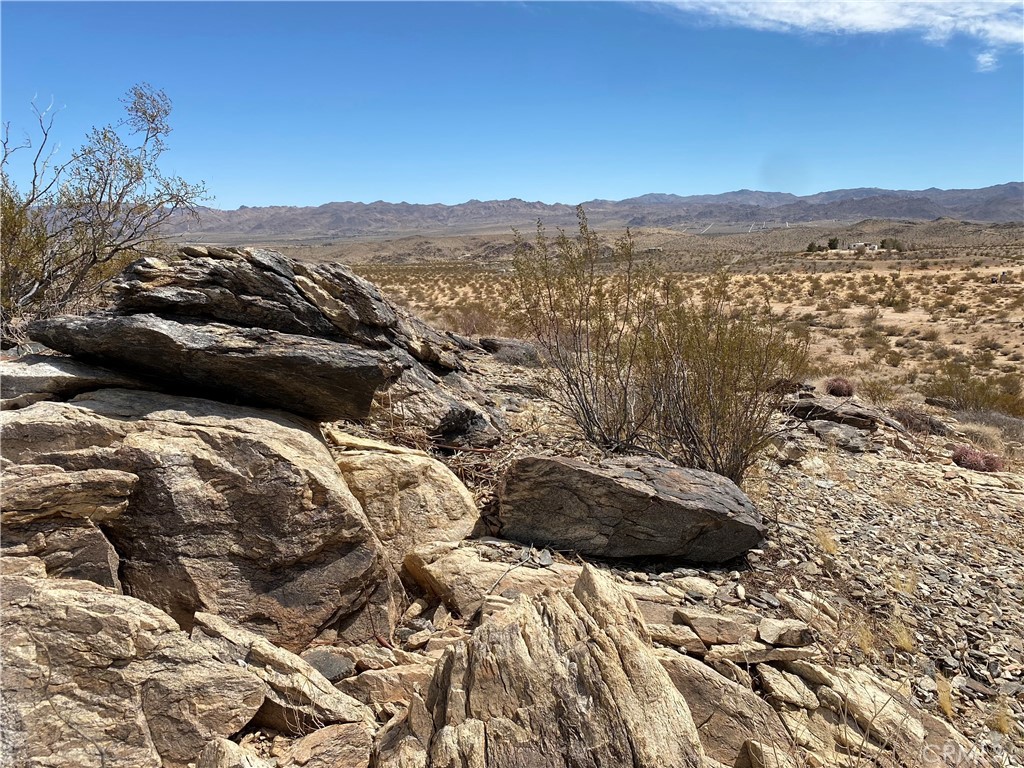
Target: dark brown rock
627, 507
317, 378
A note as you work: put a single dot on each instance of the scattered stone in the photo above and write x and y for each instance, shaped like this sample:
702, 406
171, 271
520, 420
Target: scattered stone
785, 632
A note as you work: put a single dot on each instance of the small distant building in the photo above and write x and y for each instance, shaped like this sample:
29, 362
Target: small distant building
865, 246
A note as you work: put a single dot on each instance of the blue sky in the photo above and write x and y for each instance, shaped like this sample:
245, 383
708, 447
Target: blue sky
306, 103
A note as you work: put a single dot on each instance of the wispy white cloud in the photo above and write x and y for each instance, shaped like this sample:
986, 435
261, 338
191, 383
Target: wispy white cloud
997, 24
986, 61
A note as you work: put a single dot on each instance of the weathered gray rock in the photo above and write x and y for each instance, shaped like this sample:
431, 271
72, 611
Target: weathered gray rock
563, 679
627, 507
236, 511
321, 379
512, 351
407, 496
91, 678
841, 410
31, 378
298, 698
842, 436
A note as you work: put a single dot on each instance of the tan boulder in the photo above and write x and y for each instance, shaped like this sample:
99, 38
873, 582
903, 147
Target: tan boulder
236, 511
728, 714
298, 698
462, 577
408, 498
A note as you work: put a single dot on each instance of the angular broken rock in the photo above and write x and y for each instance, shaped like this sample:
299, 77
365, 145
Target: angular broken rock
785, 632
628, 507
236, 511
840, 410
316, 378
298, 698
95, 679
562, 679
728, 714
462, 578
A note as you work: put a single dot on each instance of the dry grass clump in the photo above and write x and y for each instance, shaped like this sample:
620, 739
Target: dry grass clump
839, 386
969, 457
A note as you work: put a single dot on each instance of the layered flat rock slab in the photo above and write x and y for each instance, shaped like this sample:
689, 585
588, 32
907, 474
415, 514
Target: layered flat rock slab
94, 679
627, 507
317, 378
841, 410
237, 512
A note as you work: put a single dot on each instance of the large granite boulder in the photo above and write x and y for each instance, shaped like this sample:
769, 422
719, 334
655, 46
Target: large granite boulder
237, 512
567, 678
628, 507
255, 327
92, 679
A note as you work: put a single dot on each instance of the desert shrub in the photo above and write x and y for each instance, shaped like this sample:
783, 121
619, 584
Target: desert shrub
839, 386
713, 374
642, 363
878, 390
591, 324
1011, 428
957, 383
969, 457
74, 224
917, 420
474, 318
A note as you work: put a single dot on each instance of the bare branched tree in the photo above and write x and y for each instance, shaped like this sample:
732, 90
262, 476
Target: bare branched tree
75, 223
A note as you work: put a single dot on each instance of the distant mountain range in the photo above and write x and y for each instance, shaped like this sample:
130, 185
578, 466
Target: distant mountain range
1000, 203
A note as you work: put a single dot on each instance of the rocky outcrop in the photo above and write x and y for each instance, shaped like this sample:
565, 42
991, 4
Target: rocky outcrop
408, 497
236, 512
565, 679
91, 678
240, 324
626, 508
